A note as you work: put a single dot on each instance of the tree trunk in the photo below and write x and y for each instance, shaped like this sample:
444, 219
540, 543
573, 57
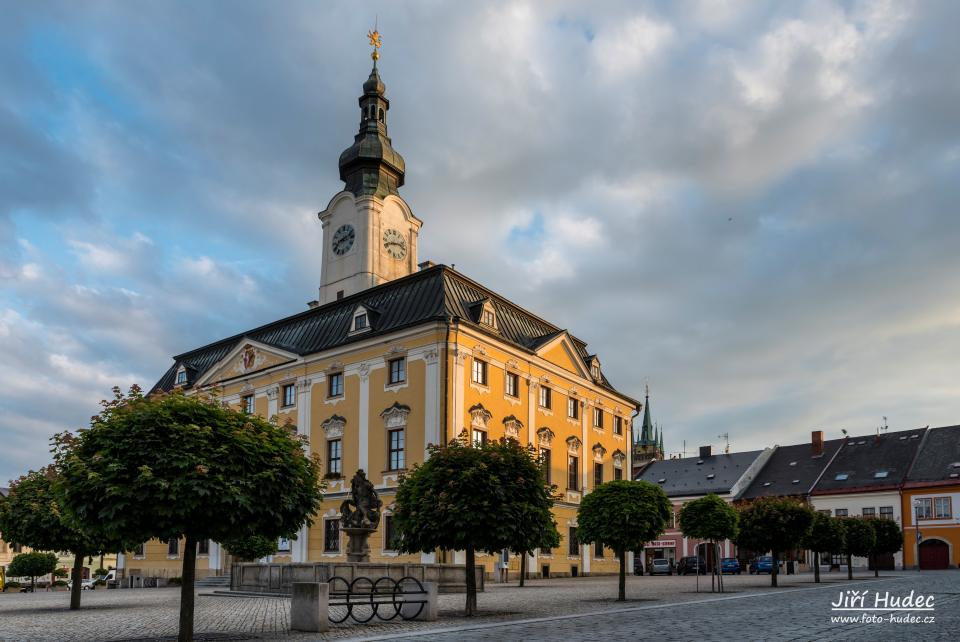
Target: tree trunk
33, 584
471, 607
816, 566
876, 565
850, 567
774, 567
622, 592
523, 567
187, 596
77, 581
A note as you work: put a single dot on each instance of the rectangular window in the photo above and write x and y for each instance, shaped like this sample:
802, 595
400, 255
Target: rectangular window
886, 512
573, 546
479, 437
396, 449
869, 511
487, 318
597, 418
618, 425
597, 474
331, 536
942, 508
573, 470
139, 550
545, 397
182, 376
840, 512
923, 508
359, 322
389, 534
289, 395
283, 545
618, 474
335, 385
598, 549
479, 372
573, 408
248, 404
334, 456
398, 370
173, 546
545, 462
203, 547
512, 384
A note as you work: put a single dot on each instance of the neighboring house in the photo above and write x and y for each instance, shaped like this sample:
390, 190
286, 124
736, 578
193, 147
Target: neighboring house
931, 499
792, 471
397, 355
864, 479
727, 475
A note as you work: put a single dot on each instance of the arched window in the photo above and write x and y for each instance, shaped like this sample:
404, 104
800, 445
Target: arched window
381, 118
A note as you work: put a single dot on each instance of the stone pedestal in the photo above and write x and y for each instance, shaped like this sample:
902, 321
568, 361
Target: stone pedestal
358, 550
310, 607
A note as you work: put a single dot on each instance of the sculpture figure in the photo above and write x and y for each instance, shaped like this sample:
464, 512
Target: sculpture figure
362, 509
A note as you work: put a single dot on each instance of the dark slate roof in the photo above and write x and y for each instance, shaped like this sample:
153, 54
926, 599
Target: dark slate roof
438, 293
862, 458
788, 464
938, 457
686, 477
4, 492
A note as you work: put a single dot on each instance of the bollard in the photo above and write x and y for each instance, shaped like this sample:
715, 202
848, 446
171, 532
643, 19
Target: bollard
429, 612
310, 607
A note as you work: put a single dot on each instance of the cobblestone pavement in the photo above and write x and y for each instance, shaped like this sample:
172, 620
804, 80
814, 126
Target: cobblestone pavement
571, 608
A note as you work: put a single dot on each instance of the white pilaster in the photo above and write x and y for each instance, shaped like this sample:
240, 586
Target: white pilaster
121, 561
584, 449
213, 560
431, 401
585, 558
272, 402
458, 392
364, 422
532, 409
305, 388
428, 558
630, 556
298, 547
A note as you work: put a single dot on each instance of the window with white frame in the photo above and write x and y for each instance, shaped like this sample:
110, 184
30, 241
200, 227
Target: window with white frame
289, 395
618, 425
573, 408
841, 512
545, 397
597, 418
869, 511
924, 508
398, 370
942, 508
512, 384
886, 512
360, 322
181, 376
283, 545
479, 372
389, 534
203, 547
395, 441
247, 404
335, 384
173, 546
479, 437
331, 536
334, 456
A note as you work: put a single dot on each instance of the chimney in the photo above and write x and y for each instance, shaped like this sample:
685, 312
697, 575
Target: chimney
426, 265
816, 442
313, 304
704, 452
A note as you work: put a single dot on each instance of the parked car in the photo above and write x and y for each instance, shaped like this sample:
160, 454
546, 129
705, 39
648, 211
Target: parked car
660, 567
730, 565
691, 564
762, 564
637, 565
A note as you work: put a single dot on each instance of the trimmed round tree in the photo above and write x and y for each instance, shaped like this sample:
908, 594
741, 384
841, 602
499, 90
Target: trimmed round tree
774, 524
825, 536
32, 565
172, 466
623, 515
31, 516
474, 498
858, 539
714, 520
888, 540
251, 547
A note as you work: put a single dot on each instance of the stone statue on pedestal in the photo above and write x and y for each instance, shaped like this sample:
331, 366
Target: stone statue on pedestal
360, 516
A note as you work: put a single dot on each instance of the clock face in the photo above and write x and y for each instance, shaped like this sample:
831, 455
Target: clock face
343, 239
394, 244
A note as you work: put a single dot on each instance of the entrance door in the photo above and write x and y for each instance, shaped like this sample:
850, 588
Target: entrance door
934, 555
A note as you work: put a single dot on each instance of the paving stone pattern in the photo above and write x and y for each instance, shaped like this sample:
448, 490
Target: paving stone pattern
664, 608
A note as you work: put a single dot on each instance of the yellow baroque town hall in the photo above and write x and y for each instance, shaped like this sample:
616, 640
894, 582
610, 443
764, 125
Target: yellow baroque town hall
397, 355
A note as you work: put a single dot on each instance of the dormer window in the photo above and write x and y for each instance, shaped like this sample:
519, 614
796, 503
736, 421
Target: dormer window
488, 318
360, 322
488, 315
181, 376
595, 369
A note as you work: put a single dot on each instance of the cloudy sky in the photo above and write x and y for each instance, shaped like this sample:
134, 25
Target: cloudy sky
751, 206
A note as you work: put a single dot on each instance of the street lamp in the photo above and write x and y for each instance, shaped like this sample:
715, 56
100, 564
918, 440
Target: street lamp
916, 526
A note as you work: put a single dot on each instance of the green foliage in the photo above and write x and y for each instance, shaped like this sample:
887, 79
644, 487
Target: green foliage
888, 536
174, 581
32, 564
623, 515
250, 547
171, 466
59, 583
859, 536
11, 585
709, 518
60, 572
825, 534
99, 572
773, 524
489, 498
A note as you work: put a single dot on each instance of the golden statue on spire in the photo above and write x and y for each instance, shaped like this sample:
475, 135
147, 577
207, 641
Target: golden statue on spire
375, 42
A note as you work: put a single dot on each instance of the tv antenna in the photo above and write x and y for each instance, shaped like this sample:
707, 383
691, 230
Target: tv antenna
726, 437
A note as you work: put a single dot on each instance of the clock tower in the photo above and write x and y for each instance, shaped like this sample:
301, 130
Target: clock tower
369, 231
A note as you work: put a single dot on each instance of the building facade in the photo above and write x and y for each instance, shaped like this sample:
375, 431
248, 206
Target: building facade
397, 355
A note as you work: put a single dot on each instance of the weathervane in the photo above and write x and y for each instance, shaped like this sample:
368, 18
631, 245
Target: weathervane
375, 42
